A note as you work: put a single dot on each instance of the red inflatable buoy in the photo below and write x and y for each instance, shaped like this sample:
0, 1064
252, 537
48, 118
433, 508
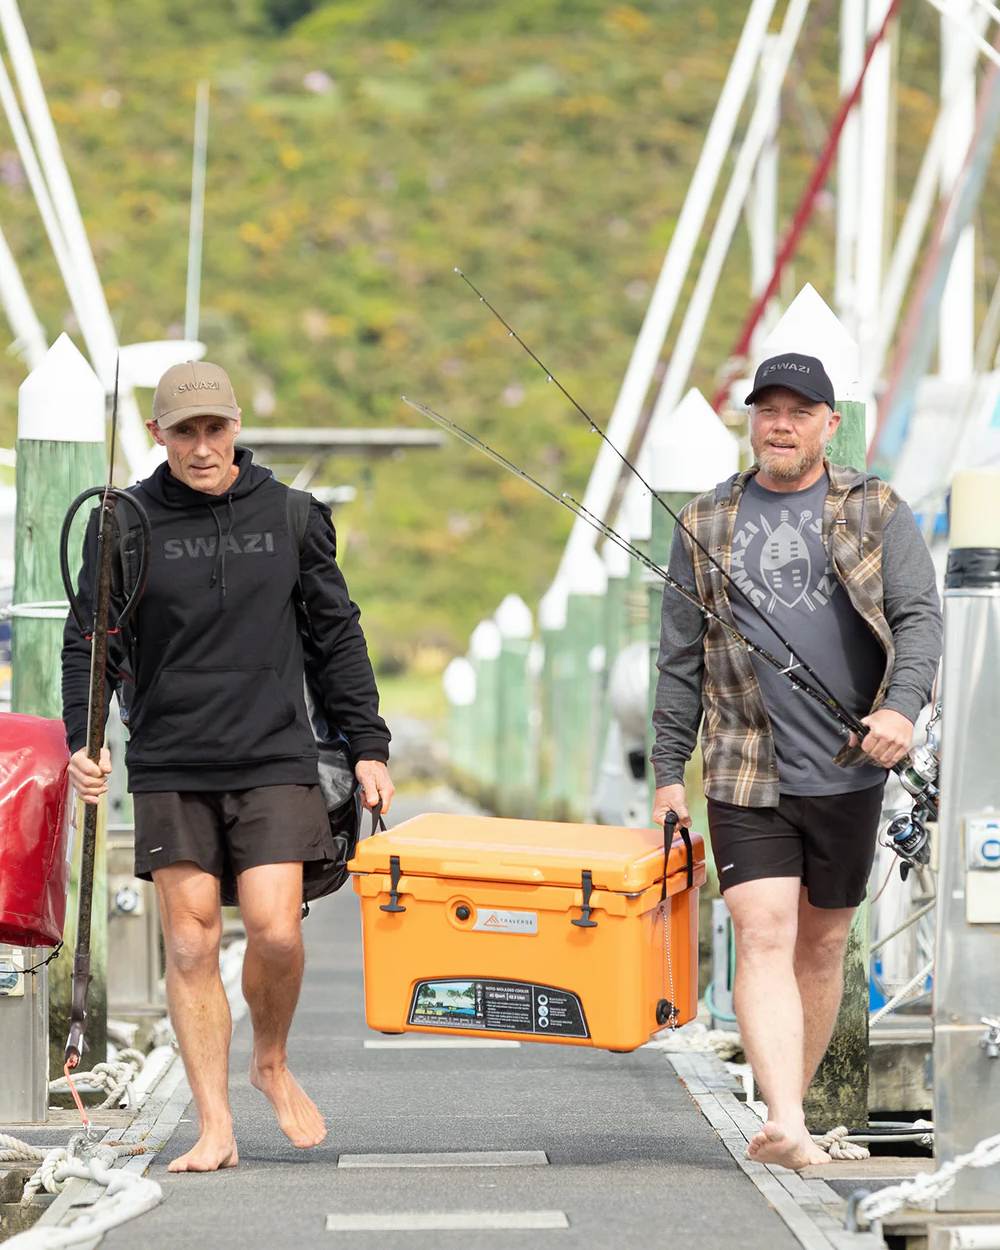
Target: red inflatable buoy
34, 869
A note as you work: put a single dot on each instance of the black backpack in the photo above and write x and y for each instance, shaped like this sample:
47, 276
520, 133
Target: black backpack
342, 792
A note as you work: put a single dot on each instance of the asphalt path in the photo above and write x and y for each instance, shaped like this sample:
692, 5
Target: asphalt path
631, 1160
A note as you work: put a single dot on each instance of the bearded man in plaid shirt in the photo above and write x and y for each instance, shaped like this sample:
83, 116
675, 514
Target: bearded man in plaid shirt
833, 559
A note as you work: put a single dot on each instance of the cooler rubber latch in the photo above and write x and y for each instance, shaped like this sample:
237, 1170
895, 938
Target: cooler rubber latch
394, 874
584, 921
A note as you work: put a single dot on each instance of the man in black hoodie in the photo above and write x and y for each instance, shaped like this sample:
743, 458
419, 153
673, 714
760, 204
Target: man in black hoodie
221, 757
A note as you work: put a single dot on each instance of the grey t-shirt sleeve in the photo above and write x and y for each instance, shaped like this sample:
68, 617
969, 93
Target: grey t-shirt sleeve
913, 610
681, 662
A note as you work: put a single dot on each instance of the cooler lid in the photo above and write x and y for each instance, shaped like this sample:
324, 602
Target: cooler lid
533, 852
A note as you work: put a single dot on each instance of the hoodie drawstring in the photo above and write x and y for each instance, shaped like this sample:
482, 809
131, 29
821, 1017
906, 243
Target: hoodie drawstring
219, 568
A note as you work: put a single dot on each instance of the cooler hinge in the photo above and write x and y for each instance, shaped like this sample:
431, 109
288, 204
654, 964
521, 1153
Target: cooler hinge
584, 921
394, 875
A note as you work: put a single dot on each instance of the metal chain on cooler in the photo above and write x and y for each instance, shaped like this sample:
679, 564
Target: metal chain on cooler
667, 909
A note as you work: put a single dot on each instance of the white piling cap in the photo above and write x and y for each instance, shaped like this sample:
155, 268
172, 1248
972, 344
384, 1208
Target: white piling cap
513, 618
63, 399
638, 510
975, 509
587, 574
810, 326
552, 607
484, 644
143, 364
616, 561
459, 681
690, 450
536, 659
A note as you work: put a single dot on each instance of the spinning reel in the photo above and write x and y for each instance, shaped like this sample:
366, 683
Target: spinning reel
906, 833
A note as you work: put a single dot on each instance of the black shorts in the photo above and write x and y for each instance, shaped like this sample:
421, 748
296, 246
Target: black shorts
227, 831
826, 840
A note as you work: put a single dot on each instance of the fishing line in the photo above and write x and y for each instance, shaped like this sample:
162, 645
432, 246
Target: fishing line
795, 660
836, 710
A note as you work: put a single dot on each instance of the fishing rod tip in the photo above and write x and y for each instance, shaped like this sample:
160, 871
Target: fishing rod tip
459, 272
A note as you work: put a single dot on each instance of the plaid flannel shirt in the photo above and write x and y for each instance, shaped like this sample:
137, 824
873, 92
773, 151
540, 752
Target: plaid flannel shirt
737, 745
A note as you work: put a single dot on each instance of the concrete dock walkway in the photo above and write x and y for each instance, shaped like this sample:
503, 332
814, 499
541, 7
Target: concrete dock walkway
630, 1158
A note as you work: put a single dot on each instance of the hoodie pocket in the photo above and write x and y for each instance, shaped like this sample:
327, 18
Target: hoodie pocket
215, 715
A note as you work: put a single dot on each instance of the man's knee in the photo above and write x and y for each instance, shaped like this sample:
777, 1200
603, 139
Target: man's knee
822, 949
277, 940
192, 944
765, 935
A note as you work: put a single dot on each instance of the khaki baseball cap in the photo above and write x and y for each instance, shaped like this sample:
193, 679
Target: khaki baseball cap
194, 389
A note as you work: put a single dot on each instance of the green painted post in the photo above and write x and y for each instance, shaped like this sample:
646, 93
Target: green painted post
459, 682
516, 757
484, 649
575, 748
552, 629
839, 1093
60, 452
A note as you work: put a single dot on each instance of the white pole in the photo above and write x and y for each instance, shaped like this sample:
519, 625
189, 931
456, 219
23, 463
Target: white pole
762, 207
663, 304
682, 357
192, 305
922, 200
956, 325
29, 337
39, 189
96, 324
875, 105
849, 181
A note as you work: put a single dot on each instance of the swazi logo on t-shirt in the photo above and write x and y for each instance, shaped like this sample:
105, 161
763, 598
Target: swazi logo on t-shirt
207, 545
774, 563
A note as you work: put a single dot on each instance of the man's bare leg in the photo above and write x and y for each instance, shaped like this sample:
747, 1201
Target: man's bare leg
271, 903
199, 1010
769, 1010
819, 971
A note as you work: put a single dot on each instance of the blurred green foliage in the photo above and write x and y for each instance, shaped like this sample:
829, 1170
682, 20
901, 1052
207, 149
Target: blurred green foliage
361, 149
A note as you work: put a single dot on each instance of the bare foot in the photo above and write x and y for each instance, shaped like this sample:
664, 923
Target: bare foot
775, 1146
210, 1153
298, 1116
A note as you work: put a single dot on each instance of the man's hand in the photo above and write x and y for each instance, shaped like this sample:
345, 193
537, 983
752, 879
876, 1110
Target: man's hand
374, 777
670, 798
889, 736
88, 778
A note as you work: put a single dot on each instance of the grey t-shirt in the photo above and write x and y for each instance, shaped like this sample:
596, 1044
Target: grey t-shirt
779, 560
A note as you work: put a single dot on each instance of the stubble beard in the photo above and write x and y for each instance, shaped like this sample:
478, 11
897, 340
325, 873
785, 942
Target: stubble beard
788, 468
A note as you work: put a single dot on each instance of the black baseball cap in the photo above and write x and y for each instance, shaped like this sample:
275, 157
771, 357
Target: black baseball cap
802, 374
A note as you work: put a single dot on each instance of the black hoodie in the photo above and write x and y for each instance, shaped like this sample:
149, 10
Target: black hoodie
218, 701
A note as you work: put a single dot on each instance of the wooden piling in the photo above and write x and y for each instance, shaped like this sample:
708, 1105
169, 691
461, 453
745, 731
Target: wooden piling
60, 452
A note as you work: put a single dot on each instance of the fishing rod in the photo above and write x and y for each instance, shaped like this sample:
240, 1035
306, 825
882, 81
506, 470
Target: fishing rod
915, 774
795, 660
97, 631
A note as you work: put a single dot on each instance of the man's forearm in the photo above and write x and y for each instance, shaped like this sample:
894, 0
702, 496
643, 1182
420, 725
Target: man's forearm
913, 611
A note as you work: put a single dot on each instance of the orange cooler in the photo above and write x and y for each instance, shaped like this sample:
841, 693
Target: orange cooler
529, 930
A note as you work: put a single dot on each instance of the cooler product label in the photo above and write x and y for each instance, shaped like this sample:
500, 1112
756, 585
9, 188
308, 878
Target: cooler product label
498, 1007
495, 920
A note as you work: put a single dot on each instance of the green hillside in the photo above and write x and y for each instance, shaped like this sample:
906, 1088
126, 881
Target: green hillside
359, 150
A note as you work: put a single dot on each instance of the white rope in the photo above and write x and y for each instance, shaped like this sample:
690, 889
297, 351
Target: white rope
43, 610
906, 990
927, 1188
13, 1150
695, 1038
837, 1147
127, 1195
112, 1078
